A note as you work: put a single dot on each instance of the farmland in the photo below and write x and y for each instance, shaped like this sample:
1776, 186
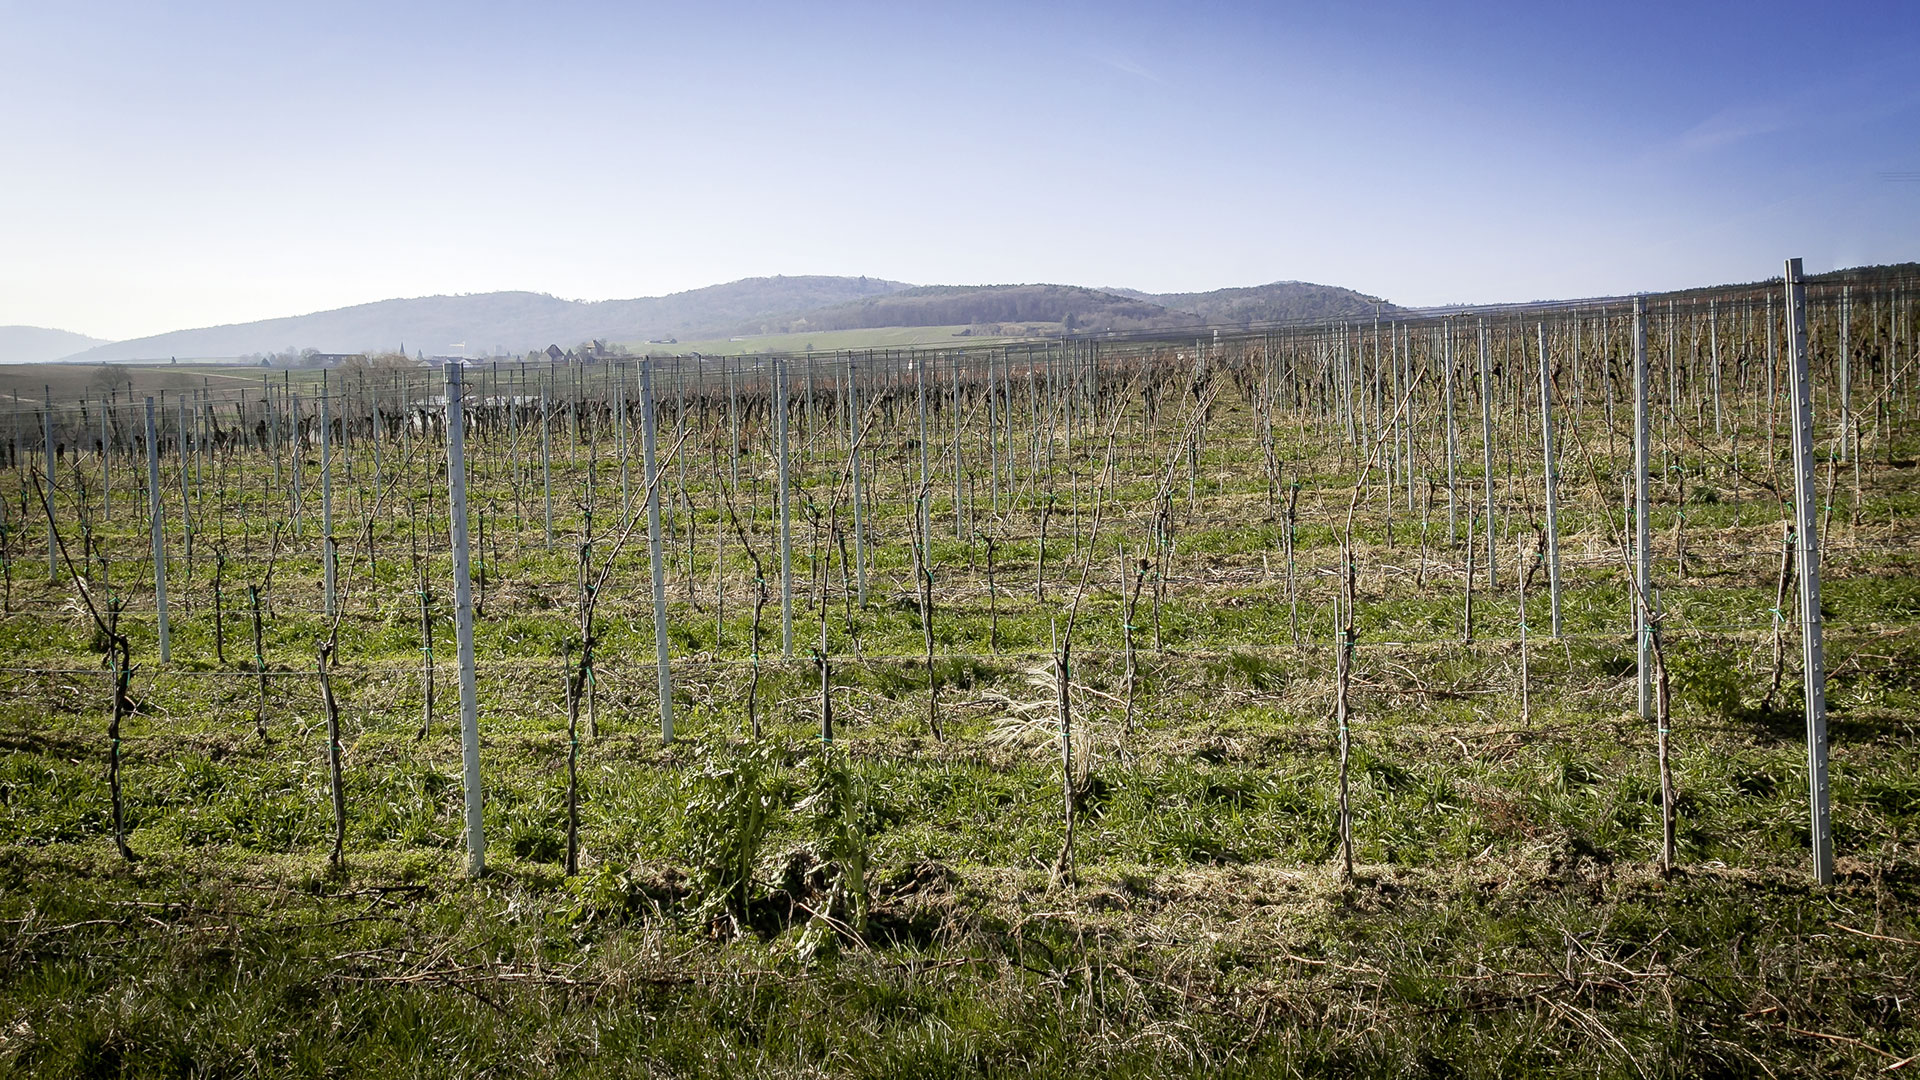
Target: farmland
29, 384
891, 337
1112, 708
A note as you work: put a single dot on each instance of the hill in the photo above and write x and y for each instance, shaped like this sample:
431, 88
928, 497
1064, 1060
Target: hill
513, 322
1077, 307
1280, 301
950, 305
501, 321
37, 344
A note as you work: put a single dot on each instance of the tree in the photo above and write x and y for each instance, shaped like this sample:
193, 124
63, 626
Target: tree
111, 378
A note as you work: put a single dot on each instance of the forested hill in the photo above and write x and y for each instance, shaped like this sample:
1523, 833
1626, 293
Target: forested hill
957, 305
503, 321
514, 322
1280, 301
1077, 308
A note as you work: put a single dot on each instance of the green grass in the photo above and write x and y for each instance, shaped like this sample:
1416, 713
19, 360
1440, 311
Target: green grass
1506, 917
73, 382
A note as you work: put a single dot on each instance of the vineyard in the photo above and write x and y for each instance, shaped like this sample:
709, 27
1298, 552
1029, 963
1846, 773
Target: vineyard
1413, 696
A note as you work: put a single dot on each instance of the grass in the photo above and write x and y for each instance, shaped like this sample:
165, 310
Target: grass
28, 383
887, 906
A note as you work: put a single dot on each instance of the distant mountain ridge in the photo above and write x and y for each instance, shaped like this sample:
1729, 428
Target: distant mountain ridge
956, 305
38, 344
515, 322
1078, 307
1278, 301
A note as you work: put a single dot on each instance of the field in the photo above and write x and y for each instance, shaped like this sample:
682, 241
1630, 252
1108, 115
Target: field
28, 384
1060, 766
886, 337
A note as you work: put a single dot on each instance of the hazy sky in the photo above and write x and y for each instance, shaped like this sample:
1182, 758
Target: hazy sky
176, 165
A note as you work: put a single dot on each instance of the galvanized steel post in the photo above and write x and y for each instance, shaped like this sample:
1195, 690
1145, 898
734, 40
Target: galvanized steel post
463, 621
1805, 514
654, 553
159, 538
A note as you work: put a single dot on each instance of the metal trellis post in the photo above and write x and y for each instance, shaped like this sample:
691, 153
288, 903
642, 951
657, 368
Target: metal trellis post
1642, 598
651, 469
159, 538
1805, 494
1553, 481
463, 621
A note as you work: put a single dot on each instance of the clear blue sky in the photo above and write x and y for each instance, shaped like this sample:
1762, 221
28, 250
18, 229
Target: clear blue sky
185, 164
